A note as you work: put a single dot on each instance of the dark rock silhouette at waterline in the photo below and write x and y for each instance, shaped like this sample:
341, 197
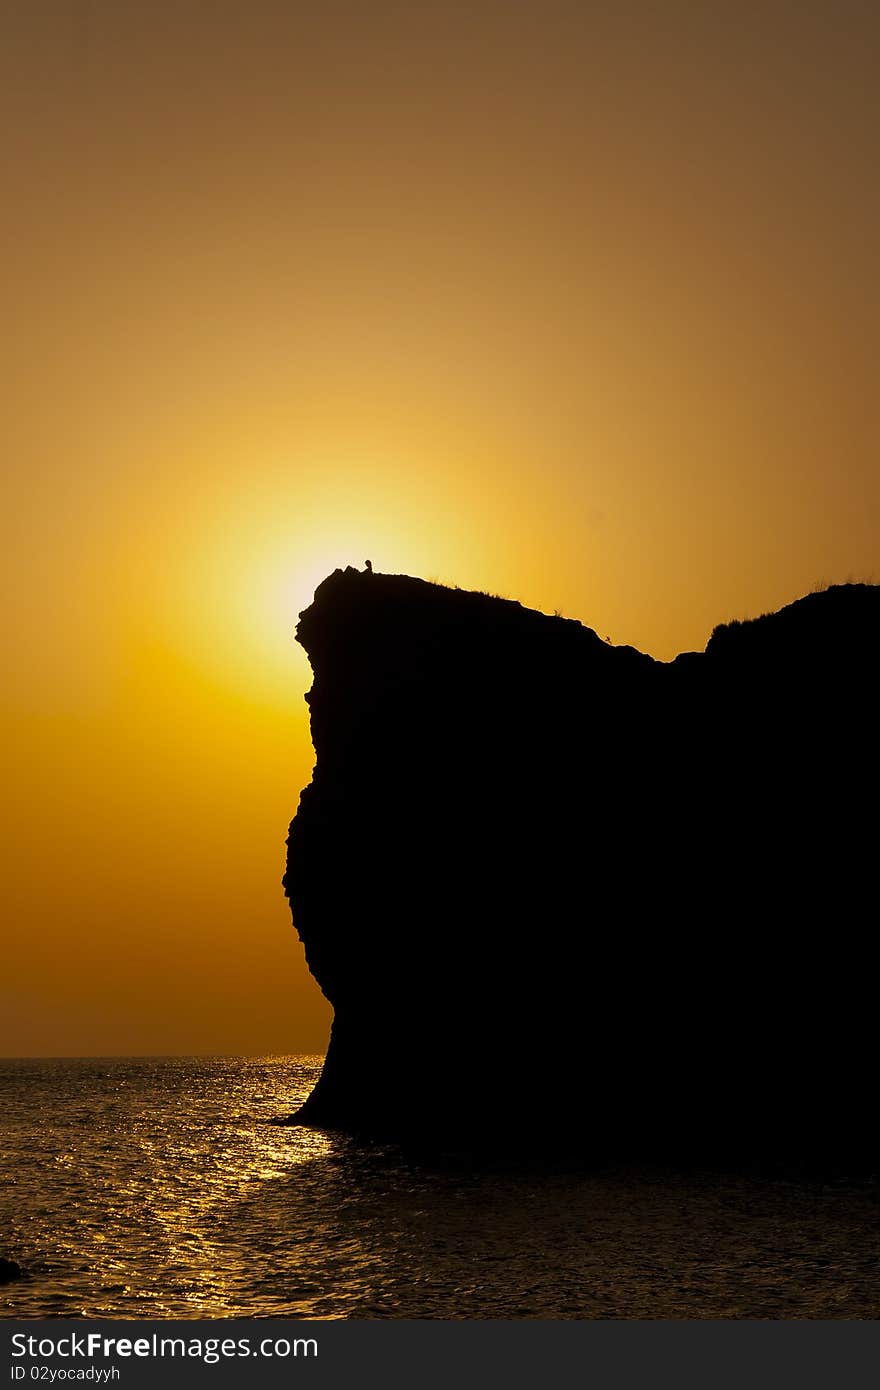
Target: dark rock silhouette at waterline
562, 894
10, 1270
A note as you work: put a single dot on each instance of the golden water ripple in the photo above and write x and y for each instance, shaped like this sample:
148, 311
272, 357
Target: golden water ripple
157, 1188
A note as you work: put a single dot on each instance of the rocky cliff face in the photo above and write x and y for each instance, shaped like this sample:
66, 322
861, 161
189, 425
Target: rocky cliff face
561, 894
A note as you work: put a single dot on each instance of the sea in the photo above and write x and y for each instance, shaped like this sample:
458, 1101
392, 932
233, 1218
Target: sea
159, 1187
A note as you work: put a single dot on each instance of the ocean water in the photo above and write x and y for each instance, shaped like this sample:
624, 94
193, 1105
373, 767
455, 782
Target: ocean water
156, 1187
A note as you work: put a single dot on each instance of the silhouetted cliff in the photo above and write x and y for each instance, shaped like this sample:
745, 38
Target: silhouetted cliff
561, 893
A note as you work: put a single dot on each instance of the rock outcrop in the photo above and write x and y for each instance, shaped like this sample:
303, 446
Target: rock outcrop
560, 894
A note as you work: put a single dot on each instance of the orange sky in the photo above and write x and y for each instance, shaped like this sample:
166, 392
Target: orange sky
573, 303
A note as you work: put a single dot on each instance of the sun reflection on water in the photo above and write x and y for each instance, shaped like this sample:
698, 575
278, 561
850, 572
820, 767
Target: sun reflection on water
159, 1188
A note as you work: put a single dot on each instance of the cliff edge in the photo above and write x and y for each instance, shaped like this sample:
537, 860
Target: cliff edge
562, 894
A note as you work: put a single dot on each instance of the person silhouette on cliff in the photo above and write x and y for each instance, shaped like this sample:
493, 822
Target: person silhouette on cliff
369, 566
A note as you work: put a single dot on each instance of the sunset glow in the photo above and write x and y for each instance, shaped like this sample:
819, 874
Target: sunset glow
522, 299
